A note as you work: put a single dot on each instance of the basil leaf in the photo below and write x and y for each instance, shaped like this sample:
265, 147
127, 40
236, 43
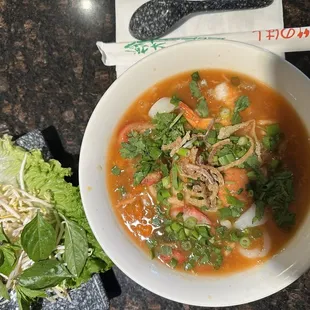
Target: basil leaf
38, 238
9, 260
23, 304
44, 274
3, 237
29, 294
3, 291
1, 257
76, 247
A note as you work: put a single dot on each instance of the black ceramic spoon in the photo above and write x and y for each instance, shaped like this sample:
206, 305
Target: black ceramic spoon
156, 17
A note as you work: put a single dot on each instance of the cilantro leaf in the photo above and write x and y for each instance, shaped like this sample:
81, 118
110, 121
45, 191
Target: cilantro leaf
175, 100
202, 108
195, 76
233, 201
164, 133
277, 192
241, 104
194, 88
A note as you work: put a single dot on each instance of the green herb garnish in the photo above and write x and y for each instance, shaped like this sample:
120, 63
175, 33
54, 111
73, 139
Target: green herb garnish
116, 171
241, 104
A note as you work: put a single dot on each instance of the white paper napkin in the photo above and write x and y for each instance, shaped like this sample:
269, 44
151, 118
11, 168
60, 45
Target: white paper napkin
203, 24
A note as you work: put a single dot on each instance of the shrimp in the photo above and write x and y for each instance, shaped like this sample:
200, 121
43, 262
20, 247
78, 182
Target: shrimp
236, 180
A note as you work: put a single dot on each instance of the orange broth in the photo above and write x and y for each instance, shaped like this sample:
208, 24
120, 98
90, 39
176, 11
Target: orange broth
265, 104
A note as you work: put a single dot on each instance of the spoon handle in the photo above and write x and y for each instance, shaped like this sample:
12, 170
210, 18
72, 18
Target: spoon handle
227, 5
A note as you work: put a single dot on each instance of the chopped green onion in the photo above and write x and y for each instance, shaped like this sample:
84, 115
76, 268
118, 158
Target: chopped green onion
234, 139
234, 236
203, 231
195, 234
243, 141
273, 129
152, 252
166, 250
190, 222
240, 152
164, 169
225, 113
162, 195
183, 152
186, 245
223, 161
174, 177
212, 134
252, 175
245, 242
235, 81
173, 263
187, 232
270, 142
151, 243
230, 157
122, 190
180, 196
251, 193
211, 140
218, 126
116, 171
176, 226
205, 260
182, 235
168, 229
166, 182
239, 191
188, 266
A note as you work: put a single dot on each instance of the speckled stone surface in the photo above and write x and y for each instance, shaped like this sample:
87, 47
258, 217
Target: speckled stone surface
156, 18
90, 296
51, 75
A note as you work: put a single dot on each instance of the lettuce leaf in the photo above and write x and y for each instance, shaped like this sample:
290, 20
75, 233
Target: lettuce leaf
47, 181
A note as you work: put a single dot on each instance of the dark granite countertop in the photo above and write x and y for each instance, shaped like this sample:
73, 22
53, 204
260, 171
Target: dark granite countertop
51, 75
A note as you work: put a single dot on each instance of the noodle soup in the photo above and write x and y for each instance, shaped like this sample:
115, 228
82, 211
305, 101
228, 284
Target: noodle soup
207, 172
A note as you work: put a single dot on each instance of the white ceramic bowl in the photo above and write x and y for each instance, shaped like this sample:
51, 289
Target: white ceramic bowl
234, 289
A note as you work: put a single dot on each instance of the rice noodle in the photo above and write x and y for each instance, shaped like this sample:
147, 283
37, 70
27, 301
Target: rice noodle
246, 219
257, 253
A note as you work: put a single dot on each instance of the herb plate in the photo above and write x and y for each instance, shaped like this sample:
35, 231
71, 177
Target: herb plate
91, 295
